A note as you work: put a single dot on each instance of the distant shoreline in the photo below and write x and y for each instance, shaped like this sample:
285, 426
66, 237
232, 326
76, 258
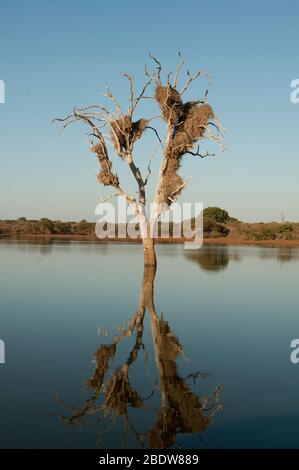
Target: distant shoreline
218, 229
88, 239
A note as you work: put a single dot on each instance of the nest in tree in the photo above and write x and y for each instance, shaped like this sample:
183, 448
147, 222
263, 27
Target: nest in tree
105, 176
100, 150
188, 122
170, 103
120, 129
172, 182
124, 133
190, 128
138, 128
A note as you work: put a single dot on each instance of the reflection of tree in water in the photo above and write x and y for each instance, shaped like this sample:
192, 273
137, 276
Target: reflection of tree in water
181, 410
213, 259
282, 254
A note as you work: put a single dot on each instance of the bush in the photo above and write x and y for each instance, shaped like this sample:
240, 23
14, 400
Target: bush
83, 228
63, 227
47, 224
271, 231
285, 230
266, 233
217, 214
214, 229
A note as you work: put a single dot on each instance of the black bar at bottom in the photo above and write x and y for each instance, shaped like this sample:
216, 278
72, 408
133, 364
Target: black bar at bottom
118, 458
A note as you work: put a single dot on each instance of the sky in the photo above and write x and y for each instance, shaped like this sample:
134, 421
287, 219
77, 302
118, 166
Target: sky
57, 54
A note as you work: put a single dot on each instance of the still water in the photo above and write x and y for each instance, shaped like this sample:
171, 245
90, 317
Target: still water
99, 353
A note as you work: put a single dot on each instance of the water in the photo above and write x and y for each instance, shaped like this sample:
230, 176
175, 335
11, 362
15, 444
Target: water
208, 366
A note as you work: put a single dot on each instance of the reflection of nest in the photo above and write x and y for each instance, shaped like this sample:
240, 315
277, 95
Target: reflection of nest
102, 357
181, 410
168, 344
182, 413
119, 394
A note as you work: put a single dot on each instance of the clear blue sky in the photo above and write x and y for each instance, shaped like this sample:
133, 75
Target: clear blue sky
55, 54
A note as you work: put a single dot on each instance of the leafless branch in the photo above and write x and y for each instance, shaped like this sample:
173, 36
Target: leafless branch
157, 135
109, 95
110, 196
102, 108
149, 166
201, 155
138, 177
176, 75
217, 138
131, 81
151, 76
148, 97
76, 116
141, 95
168, 77
191, 78
214, 125
159, 67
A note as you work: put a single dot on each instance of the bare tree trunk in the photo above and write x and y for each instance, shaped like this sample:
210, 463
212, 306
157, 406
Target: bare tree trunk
149, 252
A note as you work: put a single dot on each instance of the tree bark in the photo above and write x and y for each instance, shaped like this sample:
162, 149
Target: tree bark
149, 252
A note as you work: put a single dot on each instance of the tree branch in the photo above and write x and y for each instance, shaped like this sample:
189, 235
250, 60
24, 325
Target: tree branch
201, 155
109, 95
138, 177
149, 166
159, 67
191, 78
131, 81
179, 66
157, 135
141, 95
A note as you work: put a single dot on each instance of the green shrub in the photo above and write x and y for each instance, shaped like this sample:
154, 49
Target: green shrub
212, 228
63, 227
47, 225
265, 233
217, 214
285, 230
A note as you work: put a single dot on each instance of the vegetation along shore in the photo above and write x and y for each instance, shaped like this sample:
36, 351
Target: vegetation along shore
219, 227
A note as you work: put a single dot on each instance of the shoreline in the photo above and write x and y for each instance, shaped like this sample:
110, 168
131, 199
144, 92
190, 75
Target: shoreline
206, 241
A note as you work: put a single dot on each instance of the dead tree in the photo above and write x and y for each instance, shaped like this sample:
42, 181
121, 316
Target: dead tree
186, 123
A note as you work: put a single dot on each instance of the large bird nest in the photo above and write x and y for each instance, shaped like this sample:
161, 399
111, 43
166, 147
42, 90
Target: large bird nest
105, 176
170, 103
187, 123
124, 132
